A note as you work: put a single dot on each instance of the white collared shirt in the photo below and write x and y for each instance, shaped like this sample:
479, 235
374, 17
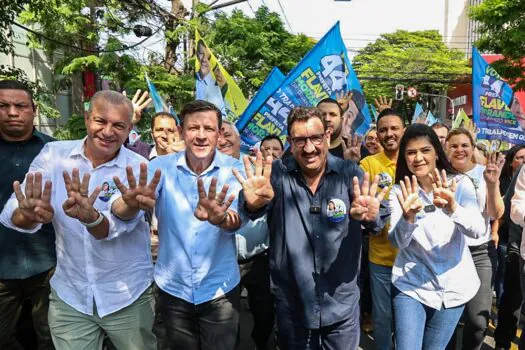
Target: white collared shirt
476, 175
517, 209
434, 265
114, 271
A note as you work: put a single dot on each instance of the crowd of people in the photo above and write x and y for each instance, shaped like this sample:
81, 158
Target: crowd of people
404, 232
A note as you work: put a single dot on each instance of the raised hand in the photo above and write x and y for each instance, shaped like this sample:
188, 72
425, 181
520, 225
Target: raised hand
352, 148
444, 194
257, 189
367, 200
79, 203
171, 143
344, 99
382, 103
35, 205
492, 171
409, 198
212, 207
473, 130
141, 195
139, 103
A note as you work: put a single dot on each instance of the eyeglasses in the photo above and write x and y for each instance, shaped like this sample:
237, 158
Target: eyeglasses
300, 141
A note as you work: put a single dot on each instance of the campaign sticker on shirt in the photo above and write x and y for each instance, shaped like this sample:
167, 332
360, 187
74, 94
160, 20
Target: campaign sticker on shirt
108, 189
385, 180
133, 137
336, 210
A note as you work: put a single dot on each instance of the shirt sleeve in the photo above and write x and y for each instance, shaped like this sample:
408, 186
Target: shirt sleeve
517, 209
117, 226
401, 231
42, 164
467, 216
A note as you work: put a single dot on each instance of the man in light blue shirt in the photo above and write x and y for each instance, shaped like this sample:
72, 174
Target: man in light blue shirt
196, 269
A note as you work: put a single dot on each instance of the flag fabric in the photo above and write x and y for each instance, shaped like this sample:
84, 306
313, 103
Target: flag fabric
430, 120
272, 82
419, 114
461, 119
491, 100
322, 73
158, 102
373, 112
214, 84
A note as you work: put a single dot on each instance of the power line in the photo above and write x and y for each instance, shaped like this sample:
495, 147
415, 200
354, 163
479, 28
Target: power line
284, 15
251, 8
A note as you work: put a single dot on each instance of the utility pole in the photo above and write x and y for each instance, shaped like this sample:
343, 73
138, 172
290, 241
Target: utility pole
178, 12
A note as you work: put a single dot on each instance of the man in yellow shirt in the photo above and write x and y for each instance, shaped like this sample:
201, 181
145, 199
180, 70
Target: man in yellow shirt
390, 128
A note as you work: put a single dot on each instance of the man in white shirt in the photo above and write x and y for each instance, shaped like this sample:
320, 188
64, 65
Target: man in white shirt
102, 283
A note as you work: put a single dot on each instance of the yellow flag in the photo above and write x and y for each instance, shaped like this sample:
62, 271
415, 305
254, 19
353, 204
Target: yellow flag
461, 118
214, 84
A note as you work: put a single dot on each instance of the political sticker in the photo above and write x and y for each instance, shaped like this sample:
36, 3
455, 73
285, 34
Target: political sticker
108, 189
385, 180
336, 210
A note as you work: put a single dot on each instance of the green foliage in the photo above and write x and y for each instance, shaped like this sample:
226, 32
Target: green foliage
74, 129
502, 31
418, 59
249, 48
10, 10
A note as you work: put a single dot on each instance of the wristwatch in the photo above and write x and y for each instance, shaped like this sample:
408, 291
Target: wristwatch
97, 222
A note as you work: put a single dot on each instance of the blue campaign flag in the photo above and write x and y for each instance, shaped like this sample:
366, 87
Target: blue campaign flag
158, 103
491, 100
374, 113
419, 113
431, 120
270, 85
324, 72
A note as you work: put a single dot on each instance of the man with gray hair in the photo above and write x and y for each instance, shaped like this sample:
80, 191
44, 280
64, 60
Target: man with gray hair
103, 278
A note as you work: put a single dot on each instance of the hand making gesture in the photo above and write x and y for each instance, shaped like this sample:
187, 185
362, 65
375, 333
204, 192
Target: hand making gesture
257, 188
444, 194
382, 103
409, 198
171, 143
352, 148
212, 207
365, 206
492, 171
35, 205
141, 195
79, 203
139, 103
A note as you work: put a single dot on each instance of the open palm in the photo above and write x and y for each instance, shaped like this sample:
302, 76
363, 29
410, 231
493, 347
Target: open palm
257, 188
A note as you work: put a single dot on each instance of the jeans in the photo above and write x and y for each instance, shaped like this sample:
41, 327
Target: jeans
381, 286
364, 278
129, 328
13, 293
208, 326
292, 335
418, 326
510, 305
500, 271
477, 310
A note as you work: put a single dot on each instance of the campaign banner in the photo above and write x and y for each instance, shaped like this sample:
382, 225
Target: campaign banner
324, 72
374, 113
272, 82
491, 100
214, 84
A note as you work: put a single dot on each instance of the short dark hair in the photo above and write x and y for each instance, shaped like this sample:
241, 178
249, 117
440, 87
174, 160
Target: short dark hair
415, 131
161, 115
439, 125
16, 85
331, 100
199, 106
272, 137
389, 111
302, 114
461, 131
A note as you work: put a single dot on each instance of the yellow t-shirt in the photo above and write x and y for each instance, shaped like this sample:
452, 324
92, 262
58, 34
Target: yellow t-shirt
381, 251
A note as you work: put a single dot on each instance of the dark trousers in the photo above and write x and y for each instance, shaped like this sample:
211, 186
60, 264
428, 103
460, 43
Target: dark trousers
13, 293
255, 277
477, 310
500, 271
292, 335
510, 304
364, 278
208, 326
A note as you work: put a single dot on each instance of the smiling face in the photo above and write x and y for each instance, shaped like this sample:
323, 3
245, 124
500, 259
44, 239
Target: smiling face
309, 145
272, 147
372, 142
204, 59
108, 126
519, 159
16, 115
421, 157
229, 141
200, 133
460, 151
390, 129
164, 128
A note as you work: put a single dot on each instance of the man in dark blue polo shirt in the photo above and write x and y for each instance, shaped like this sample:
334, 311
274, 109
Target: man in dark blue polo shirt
315, 209
26, 261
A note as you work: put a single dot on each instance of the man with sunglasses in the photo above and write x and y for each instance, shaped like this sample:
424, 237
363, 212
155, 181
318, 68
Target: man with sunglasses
315, 210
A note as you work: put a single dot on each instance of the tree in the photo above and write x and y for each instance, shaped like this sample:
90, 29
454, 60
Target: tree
502, 31
249, 48
419, 58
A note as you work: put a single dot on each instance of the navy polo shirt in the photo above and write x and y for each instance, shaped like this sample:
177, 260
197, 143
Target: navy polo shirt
22, 255
315, 246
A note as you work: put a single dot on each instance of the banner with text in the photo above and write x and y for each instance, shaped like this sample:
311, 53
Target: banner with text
491, 98
323, 72
214, 84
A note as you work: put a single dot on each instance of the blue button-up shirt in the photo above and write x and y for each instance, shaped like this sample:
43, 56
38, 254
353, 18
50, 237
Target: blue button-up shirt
315, 246
196, 260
